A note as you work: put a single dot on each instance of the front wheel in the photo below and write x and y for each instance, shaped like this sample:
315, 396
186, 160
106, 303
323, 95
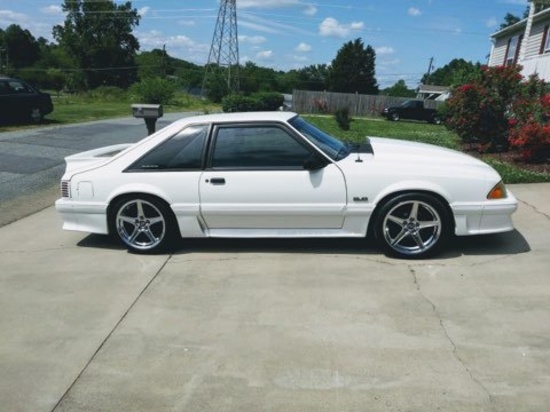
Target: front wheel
395, 116
413, 225
142, 224
35, 115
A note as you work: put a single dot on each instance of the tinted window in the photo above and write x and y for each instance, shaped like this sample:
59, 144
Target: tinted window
257, 147
18, 87
182, 151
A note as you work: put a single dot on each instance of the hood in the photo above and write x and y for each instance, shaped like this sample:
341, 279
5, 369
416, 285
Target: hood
417, 158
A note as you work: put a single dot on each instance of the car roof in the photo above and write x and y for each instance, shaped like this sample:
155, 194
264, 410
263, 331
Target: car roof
278, 116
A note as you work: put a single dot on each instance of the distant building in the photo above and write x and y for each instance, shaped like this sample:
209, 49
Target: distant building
526, 43
429, 92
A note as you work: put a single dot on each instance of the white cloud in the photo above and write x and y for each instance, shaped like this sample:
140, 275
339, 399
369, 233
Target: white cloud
413, 11
144, 10
311, 10
333, 28
38, 27
187, 23
492, 22
254, 22
384, 50
265, 55
299, 59
303, 47
267, 4
53, 10
178, 46
252, 39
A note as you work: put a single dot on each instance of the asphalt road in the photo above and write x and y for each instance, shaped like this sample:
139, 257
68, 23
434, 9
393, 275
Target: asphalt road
32, 160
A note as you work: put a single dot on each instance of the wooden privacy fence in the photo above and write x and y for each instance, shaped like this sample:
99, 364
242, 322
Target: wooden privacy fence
304, 101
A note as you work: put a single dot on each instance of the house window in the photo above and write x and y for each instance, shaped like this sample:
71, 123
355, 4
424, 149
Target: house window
512, 51
545, 47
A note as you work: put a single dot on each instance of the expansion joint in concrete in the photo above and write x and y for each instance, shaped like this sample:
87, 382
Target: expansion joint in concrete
535, 209
455, 353
136, 300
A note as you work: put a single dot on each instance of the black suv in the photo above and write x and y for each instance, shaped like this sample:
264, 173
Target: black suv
21, 102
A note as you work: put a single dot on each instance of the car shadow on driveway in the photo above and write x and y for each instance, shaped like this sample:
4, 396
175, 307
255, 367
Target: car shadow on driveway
510, 243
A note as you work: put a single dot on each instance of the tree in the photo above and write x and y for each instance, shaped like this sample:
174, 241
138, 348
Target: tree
97, 34
509, 20
455, 73
20, 45
353, 69
399, 89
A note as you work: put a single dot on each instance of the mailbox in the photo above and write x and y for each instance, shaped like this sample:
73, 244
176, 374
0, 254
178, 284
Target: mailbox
149, 112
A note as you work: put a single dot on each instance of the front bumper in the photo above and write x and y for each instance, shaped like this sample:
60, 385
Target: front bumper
491, 216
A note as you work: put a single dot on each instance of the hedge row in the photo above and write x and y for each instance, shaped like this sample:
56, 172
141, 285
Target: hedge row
257, 102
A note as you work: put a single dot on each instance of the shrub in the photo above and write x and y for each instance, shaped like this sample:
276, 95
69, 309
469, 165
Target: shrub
239, 103
269, 100
478, 111
530, 121
153, 90
255, 103
342, 118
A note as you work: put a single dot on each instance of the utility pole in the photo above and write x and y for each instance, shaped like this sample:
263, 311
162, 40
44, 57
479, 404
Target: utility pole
224, 51
430, 67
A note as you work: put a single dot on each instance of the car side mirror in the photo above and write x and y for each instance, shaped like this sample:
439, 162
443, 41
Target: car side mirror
315, 162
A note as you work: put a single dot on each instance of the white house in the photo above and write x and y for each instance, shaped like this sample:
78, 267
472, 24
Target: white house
526, 43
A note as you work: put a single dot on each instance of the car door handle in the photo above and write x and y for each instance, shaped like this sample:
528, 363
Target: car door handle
217, 181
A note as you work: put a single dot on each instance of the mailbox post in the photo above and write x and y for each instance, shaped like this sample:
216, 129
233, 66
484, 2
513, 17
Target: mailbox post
148, 112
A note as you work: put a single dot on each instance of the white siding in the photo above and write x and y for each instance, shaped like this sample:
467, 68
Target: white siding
539, 65
535, 40
499, 52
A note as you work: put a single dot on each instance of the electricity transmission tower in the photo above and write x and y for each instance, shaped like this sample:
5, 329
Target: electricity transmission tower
224, 52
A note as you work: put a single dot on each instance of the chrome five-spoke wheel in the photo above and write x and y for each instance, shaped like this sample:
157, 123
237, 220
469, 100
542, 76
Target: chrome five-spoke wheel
142, 224
412, 225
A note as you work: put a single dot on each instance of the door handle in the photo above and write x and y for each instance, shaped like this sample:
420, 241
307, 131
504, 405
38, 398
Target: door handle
217, 181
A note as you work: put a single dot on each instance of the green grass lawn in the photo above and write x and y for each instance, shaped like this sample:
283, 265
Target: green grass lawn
83, 108
70, 109
421, 132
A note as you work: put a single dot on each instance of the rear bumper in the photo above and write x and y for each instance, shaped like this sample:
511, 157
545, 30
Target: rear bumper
83, 216
491, 216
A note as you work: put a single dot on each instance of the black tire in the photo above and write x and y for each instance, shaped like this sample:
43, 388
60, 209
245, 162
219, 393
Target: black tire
36, 115
143, 224
395, 116
437, 120
412, 226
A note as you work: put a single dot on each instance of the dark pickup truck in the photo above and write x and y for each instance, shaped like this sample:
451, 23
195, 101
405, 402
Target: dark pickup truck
412, 110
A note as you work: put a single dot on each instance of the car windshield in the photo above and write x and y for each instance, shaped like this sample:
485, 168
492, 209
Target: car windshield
330, 145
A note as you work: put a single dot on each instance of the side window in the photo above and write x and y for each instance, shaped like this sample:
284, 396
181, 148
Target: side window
18, 87
259, 147
182, 151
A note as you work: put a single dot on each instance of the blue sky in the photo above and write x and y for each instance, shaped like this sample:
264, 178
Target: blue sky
287, 34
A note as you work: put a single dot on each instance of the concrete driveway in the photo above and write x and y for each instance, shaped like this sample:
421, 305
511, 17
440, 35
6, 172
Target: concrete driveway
324, 325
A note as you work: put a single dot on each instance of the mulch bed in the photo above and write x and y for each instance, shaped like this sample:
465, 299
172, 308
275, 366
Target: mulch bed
512, 158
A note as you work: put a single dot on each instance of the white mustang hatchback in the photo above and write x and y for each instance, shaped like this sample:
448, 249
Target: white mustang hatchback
275, 175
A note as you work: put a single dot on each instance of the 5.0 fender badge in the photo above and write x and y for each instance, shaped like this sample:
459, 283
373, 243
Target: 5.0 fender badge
360, 199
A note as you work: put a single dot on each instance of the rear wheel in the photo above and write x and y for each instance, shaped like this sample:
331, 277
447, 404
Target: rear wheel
413, 225
143, 224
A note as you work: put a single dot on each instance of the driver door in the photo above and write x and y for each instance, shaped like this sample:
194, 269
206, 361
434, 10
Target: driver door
256, 180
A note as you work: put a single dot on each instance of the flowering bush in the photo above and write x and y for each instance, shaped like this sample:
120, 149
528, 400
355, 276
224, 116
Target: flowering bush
478, 111
529, 123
